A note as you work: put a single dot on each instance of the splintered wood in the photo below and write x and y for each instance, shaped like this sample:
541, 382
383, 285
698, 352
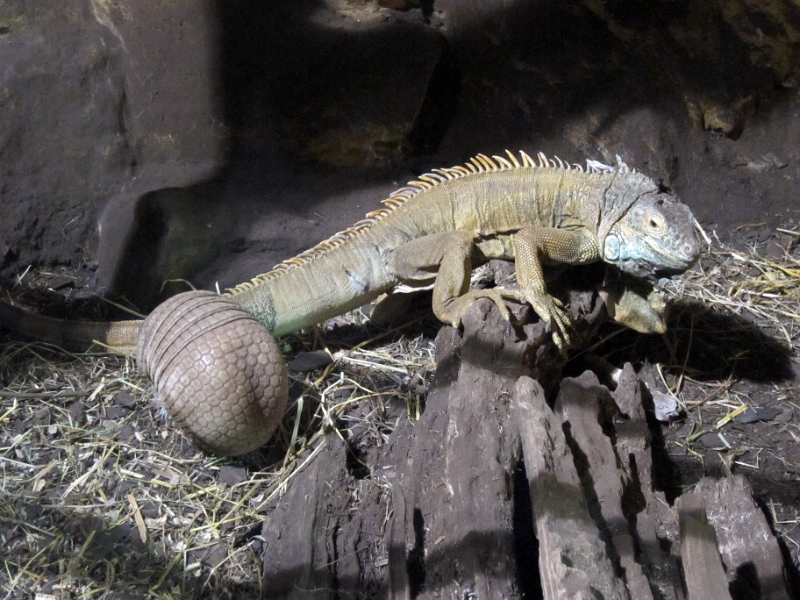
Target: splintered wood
572, 557
716, 525
451, 508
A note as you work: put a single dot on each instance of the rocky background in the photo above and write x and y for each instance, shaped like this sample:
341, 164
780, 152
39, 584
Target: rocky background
206, 141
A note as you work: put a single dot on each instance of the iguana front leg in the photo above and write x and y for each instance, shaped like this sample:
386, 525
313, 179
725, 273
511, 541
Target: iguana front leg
534, 245
447, 257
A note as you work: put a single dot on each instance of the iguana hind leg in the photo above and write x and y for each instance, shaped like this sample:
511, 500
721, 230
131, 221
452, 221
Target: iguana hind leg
447, 258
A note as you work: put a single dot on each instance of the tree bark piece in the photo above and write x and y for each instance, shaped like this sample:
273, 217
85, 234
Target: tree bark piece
327, 536
646, 507
455, 467
434, 518
295, 557
702, 565
580, 402
749, 549
572, 557
399, 586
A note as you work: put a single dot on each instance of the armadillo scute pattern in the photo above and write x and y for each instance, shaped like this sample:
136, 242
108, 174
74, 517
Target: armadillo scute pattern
216, 370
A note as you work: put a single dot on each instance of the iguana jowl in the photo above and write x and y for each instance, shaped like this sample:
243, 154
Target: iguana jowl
434, 230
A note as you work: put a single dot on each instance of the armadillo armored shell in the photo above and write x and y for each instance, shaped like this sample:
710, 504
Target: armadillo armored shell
216, 370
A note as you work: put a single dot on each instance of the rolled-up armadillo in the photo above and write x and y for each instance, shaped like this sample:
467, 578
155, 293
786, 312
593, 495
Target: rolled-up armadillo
217, 371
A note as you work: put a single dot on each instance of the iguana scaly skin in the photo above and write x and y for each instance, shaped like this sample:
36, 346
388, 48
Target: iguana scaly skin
434, 231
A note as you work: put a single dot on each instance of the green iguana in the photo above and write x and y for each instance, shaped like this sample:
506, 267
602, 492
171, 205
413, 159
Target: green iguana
434, 231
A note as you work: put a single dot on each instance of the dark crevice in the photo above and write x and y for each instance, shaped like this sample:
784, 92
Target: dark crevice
526, 546
745, 585
333, 561
146, 237
427, 8
415, 563
247, 536
664, 474
355, 463
592, 501
791, 573
439, 106
634, 503
791, 570
633, 500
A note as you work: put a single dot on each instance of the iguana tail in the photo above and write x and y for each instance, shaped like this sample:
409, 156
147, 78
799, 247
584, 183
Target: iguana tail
118, 336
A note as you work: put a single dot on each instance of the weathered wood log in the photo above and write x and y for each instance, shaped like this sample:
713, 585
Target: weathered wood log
435, 516
455, 467
646, 507
296, 561
702, 565
572, 557
327, 535
580, 402
434, 513
749, 550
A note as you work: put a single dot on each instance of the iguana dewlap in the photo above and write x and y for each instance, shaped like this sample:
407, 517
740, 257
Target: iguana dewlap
435, 230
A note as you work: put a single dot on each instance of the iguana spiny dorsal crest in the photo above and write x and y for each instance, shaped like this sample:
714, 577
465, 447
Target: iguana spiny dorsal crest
433, 231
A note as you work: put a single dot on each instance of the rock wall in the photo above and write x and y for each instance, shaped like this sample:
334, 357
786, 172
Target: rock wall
208, 141
97, 97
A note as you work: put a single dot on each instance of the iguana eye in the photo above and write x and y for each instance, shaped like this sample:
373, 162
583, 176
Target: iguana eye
655, 223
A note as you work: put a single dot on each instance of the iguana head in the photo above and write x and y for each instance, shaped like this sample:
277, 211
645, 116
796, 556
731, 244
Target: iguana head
654, 238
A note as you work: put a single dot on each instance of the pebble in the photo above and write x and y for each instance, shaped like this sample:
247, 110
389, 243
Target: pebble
751, 415
309, 361
231, 475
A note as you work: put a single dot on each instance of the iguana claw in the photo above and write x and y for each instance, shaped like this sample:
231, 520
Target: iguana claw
550, 311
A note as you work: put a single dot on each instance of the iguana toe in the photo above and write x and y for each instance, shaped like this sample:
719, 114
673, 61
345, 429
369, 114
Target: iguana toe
550, 311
